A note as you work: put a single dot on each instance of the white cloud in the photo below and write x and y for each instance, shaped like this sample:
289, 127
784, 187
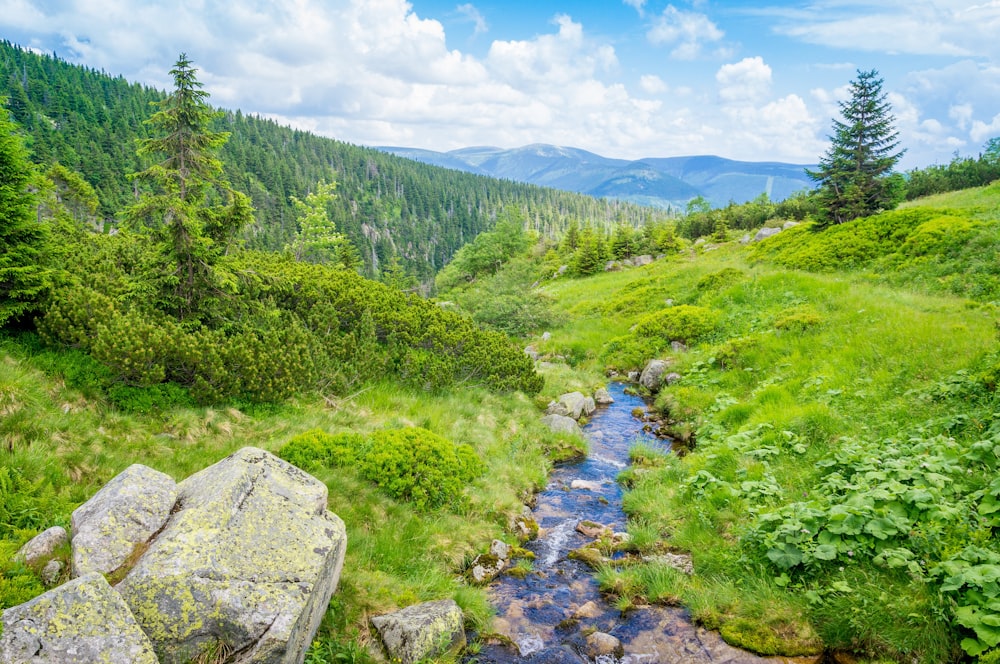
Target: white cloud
686, 31
638, 5
929, 27
749, 79
652, 84
981, 131
469, 11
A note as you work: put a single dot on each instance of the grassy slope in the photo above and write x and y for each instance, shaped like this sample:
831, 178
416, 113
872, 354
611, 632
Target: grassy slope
874, 358
60, 445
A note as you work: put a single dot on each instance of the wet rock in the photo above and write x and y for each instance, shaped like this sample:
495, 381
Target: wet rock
123, 514
602, 396
586, 485
42, 546
83, 620
561, 424
765, 233
600, 644
250, 559
422, 631
524, 527
592, 529
588, 610
487, 566
51, 572
588, 555
652, 375
679, 561
555, 655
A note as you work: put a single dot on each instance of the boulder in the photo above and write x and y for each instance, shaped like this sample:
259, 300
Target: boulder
745, 239
789, 224
51, 572
531, 352
678, 347
81, 621
487, 566
561, 424
633, 376
612, 266
248, 561
600, 644
556, 408
652, 375
765, 233
422, 632
42, 546
123, 514
576, 405
645, 259
602, 396
671, 378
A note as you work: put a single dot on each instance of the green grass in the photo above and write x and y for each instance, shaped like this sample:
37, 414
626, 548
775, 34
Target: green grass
866, 350
60, 444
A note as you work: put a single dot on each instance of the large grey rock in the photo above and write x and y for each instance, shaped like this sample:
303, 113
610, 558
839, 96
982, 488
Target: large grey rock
561, 424
82, 621
123, 514
556, 408
602, 396
249, 560
422, 631
644, 259
42, 545
575, 404
789, 224
765, 233
652, 376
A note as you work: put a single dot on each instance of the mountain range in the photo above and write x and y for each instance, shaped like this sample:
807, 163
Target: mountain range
665, 182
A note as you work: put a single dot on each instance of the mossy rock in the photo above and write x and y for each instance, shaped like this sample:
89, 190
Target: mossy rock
789, 640
588, 555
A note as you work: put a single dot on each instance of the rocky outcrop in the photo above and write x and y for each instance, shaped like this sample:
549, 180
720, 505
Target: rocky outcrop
652, 375
81, 621
644, 259
562, 424
603, 397
247, 561
42, 546
123, 514
421, 632
765, 233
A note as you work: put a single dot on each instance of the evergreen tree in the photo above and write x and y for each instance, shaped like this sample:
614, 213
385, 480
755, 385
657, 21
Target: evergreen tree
317, 240
22, 279
191, 206
854, 175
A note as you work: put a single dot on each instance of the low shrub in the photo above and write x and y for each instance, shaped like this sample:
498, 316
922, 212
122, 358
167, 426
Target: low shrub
684, 322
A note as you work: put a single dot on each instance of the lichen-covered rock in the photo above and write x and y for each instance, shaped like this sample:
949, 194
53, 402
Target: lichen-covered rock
602, 396
561, 424
524, 526
124, 513
487, 566
556, 408
82, 621
422, 631
51, 572
652, 375
42, 545
576, 405
248, 562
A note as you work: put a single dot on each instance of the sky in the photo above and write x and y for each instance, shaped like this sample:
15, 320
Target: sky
622, 78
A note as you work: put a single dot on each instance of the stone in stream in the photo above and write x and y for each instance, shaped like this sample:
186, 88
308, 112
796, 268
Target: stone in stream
592, 529
587, 485
555, 655
600, 644
603, 397
81, 621
422, 631
561, 424
652, 375
588, 610
487, 566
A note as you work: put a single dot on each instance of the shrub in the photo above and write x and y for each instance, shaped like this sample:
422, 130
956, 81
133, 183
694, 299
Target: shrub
315, 449
683, 322
419, 466
798, 319
719, 280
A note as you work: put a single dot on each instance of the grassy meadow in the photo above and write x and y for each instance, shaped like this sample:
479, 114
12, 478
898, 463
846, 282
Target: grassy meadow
839, 388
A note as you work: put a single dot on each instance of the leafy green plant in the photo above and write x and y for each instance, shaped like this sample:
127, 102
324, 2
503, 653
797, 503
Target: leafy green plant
683, 322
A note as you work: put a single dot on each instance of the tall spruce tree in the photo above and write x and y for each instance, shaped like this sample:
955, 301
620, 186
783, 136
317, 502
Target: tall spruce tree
22, 278
855, 174
193, 210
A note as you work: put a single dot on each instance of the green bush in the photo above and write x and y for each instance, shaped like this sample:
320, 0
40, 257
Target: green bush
719, 280
798, 319
683, 322
419, 466
316, 449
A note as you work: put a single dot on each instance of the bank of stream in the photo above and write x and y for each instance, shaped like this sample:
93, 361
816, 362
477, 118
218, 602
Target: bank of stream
548, 615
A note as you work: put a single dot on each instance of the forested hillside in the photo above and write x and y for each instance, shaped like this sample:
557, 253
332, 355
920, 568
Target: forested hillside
388, 207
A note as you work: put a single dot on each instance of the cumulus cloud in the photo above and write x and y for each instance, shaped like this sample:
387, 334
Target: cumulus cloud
749, 79
652, 84
687, 32
638, 5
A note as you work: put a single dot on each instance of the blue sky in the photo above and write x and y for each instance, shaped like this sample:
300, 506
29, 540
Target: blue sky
623, 78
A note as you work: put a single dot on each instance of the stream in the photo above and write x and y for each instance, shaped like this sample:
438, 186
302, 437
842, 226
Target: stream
531, 611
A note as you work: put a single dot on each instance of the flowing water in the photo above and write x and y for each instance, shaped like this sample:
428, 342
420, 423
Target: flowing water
531, 611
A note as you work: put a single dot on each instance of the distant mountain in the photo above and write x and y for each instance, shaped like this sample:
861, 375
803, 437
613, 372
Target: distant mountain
663, 182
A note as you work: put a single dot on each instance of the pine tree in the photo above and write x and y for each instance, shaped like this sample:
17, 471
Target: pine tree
193, 210
22, 279
854, 175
